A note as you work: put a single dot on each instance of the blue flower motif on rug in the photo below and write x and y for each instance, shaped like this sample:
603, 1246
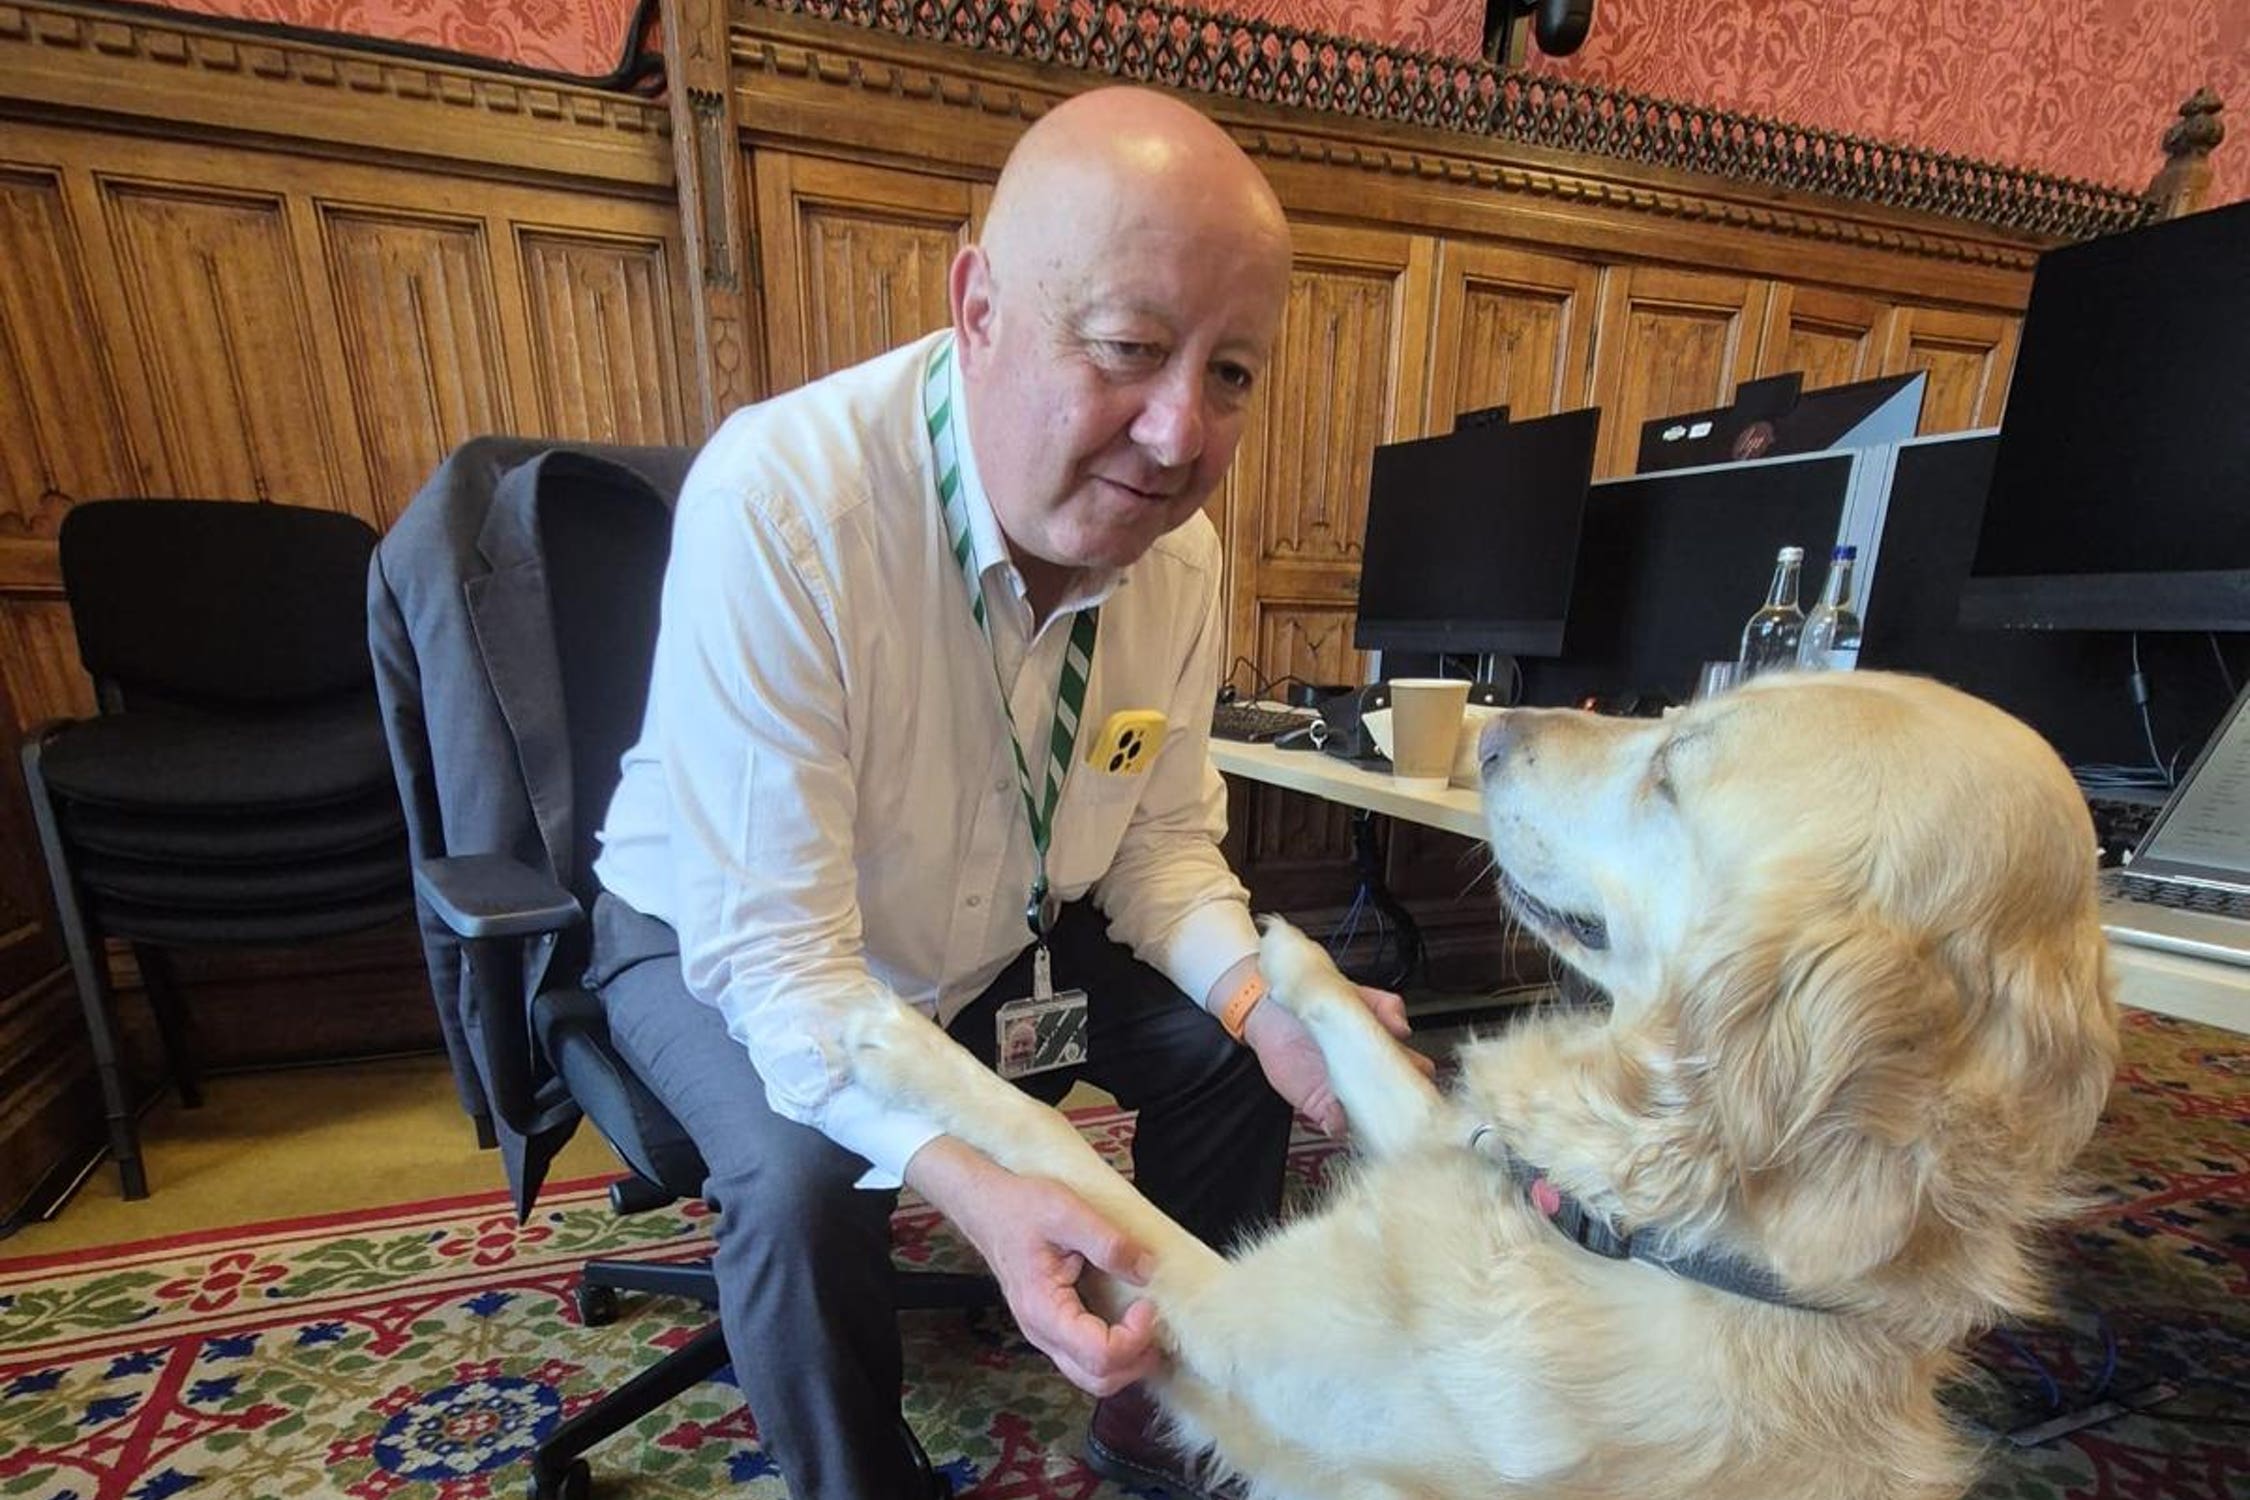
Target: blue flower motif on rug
469, 1428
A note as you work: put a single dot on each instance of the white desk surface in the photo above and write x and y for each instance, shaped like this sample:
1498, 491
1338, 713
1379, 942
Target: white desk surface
1454, 809
2192, 989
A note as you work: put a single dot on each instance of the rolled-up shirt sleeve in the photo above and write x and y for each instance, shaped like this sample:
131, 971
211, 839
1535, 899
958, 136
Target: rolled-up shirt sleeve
747, 715
1169, 893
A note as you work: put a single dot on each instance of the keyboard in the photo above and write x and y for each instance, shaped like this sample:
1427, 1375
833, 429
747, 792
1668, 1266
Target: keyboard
2176, 894
1246, 721
2119, 823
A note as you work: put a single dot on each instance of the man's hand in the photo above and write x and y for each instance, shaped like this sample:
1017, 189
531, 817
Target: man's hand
1293, 1064
1039, 1237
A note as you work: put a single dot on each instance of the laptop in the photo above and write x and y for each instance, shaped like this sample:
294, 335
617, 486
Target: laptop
2185, 888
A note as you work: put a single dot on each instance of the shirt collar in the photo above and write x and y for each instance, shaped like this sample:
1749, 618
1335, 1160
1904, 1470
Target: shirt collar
987, 544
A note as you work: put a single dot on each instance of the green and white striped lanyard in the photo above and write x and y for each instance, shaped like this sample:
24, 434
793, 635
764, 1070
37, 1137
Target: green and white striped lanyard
1077, 666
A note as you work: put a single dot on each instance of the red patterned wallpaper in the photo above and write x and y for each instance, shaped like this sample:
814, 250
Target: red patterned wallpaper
2083, 88
584, 38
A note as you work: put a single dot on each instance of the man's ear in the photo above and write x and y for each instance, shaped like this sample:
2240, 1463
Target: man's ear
969, 285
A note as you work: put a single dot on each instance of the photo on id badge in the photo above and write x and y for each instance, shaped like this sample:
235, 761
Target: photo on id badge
1037, 1035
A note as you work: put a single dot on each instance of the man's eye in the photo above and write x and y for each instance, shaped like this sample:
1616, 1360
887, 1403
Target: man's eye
1131, 351
1236, 378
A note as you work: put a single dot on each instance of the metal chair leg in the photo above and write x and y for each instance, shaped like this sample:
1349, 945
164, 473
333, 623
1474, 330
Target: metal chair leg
91, 970
171, 1021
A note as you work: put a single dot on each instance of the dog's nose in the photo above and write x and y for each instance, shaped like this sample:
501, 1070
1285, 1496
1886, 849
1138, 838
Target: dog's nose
1498, 737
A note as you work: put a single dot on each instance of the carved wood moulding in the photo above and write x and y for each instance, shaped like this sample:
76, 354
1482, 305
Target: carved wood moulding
1259, 62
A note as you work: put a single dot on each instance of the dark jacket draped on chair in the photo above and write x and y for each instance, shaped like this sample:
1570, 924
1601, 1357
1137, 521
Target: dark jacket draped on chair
464, 666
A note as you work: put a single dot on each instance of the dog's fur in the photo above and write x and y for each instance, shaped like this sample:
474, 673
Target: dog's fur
1860, 1024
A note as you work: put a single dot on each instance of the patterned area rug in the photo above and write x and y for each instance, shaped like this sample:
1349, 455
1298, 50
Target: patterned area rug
413, 1352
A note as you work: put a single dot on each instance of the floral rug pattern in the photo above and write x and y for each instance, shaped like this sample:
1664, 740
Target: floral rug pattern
416, 1352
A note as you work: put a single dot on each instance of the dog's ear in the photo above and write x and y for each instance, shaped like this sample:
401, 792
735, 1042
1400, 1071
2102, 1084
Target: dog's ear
1812, 1051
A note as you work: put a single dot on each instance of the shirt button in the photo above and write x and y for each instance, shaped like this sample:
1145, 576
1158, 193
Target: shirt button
974, 902
1000, 787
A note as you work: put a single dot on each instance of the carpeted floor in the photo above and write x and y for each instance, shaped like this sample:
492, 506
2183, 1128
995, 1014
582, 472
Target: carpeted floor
409, 1351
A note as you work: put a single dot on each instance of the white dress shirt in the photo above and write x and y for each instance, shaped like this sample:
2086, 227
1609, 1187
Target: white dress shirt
823, 801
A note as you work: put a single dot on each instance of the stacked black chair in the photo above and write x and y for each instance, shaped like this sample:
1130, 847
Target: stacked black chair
234, 788
513, 917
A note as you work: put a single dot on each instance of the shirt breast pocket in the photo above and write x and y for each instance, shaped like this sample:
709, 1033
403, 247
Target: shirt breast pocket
1090, 820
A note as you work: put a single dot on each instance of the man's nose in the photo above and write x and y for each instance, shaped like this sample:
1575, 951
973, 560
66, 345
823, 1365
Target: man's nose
1170, 426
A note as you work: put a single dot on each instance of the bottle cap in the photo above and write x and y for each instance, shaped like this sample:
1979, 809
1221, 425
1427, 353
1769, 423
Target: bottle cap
1791, 554
1846, 553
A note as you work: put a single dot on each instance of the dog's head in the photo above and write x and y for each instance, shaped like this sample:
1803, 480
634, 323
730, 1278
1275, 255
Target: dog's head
1862, 1019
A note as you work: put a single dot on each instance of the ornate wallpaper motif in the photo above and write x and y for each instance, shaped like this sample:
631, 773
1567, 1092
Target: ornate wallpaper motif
2080, 88
589, 39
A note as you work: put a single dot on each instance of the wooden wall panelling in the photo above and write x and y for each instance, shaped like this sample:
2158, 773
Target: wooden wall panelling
1513, 328
1969, 356
419, 336
1670, 341
1349, 371
856, 258
1834, 337
276, 269
219, 309
604, 338
58, 399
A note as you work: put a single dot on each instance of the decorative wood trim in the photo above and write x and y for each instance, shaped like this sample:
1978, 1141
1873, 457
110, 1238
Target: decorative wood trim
2186, 176
1261, 63
725, 302
58, 58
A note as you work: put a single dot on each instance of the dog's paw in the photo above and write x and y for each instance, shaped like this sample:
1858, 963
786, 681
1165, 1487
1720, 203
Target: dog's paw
883, 1045
1302, 975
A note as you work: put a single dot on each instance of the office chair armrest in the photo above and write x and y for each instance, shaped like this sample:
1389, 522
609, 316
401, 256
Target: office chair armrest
493, 896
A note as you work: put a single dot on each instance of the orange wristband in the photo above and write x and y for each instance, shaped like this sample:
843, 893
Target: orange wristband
1235, 1014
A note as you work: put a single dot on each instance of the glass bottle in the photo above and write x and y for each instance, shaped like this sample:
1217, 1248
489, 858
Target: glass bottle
1769, 639
1830, 642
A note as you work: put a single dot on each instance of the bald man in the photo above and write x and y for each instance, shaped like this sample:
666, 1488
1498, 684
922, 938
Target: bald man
883, 586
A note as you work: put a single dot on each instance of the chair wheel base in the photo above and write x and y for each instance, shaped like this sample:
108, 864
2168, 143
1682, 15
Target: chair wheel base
574, 1483
597, 1305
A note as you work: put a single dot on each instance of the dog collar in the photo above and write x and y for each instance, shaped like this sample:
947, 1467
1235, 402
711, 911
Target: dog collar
1589, 1230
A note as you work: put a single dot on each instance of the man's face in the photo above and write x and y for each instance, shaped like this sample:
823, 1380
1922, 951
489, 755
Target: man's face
1108, 385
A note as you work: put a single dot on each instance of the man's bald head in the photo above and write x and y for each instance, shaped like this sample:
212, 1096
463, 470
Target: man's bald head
1114, 159
1111, 325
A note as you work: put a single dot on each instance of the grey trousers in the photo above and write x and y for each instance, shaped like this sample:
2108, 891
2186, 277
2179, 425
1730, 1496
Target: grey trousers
803, 1257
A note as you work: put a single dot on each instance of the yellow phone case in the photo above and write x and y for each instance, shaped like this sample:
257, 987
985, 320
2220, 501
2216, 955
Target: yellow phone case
1128, 742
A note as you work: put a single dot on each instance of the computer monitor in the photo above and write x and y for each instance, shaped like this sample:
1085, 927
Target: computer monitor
1471, 538
2123, 471
1775, 417
1671, 564
2071, 686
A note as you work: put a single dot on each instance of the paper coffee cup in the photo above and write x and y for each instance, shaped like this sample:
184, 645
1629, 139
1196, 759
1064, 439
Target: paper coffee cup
1425, 728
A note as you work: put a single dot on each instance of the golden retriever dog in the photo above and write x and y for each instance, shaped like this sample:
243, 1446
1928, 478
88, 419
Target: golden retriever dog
1723, 1239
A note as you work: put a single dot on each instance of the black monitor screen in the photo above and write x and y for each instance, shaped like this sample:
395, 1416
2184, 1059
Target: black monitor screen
1772, 418
2071, 686
1471, 538
1671, 564
2121, 489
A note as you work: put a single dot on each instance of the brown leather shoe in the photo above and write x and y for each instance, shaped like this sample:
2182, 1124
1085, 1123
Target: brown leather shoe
1124, 1443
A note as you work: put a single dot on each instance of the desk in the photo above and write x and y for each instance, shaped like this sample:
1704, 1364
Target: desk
2192, 989
1366, 792
1454, 809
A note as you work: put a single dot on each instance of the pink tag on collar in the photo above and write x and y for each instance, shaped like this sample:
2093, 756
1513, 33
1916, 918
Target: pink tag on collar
1545, 1197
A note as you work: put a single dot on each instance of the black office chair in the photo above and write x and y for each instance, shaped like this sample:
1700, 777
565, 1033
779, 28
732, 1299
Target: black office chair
234, 789
603, 536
